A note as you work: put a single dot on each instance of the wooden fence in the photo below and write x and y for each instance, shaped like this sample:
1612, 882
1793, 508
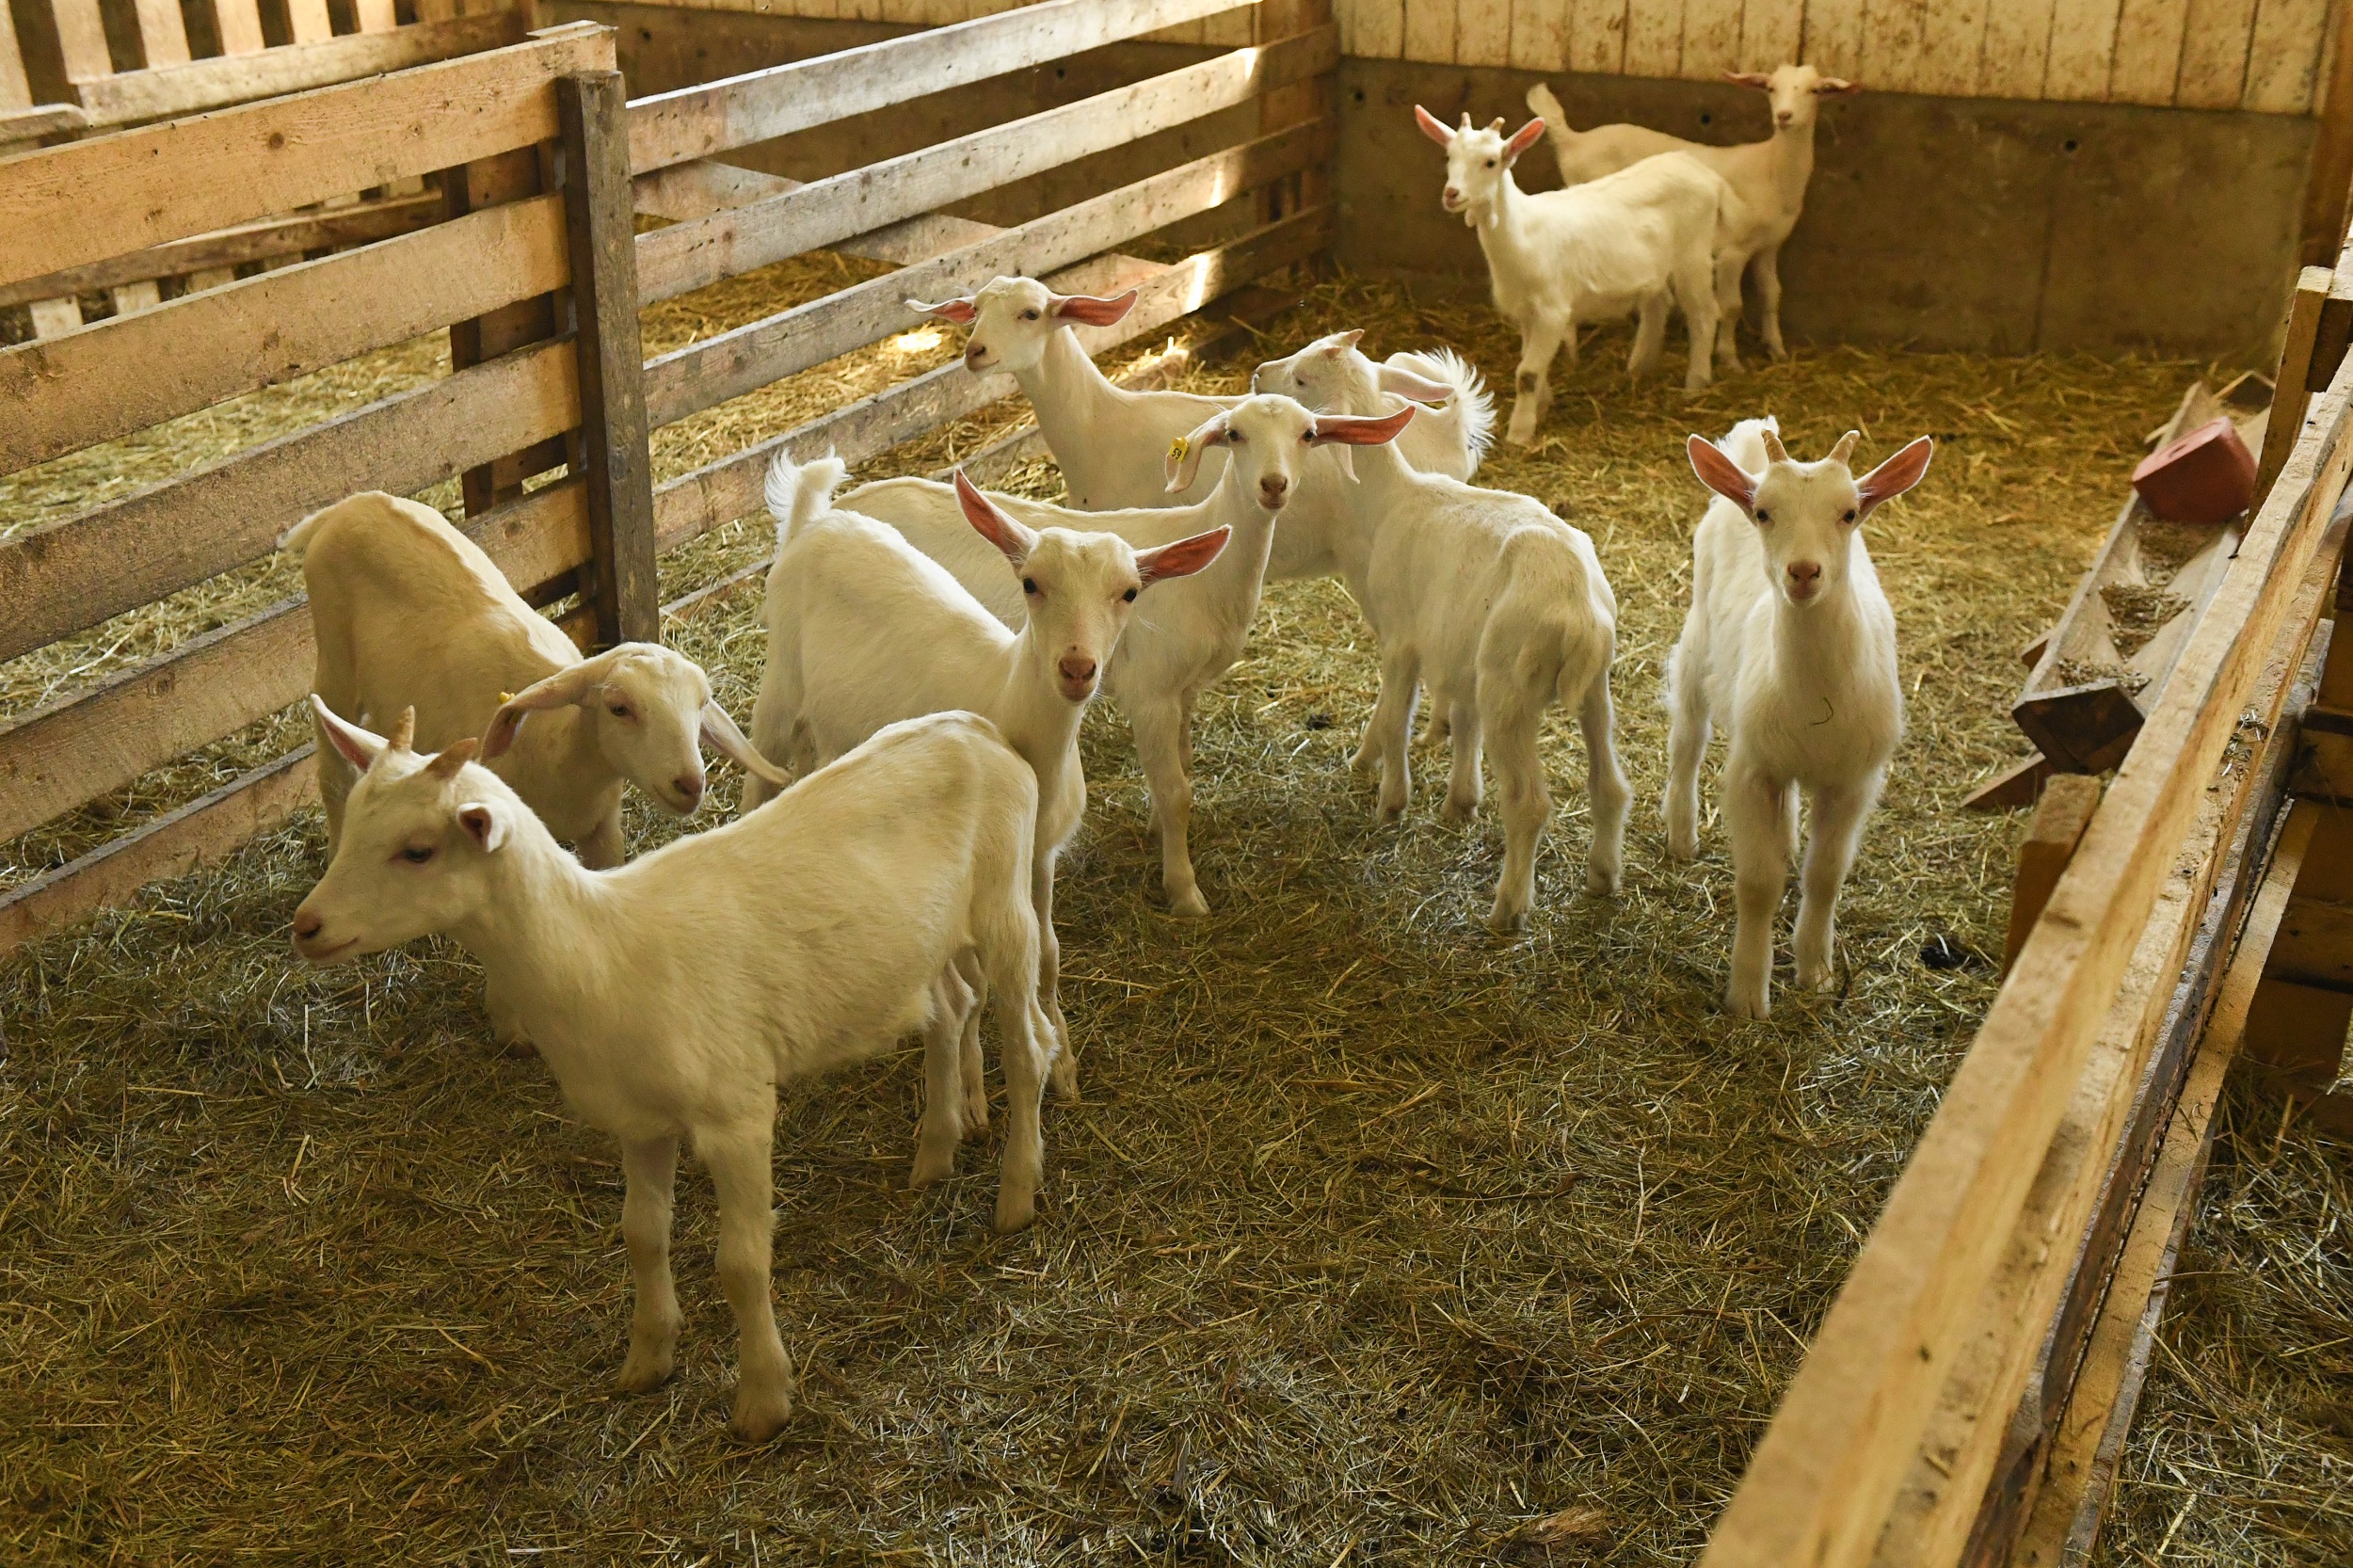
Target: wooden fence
532, 267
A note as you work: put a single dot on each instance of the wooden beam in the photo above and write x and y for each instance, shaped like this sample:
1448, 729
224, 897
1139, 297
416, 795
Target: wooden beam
501, 179
30, 124
687, 256
691, 380
65, 206
1825, 1475
163, 33
123, 374
16, 93
2326, 187
76, 573
2059, 820
2289, 394
240, 22
204, 830
760, 105
625, 582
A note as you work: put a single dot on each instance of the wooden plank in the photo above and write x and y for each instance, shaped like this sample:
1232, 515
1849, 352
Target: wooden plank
23, 125
16, 91
2285, 59
1826, 1474
2148, 59
1597, 36
2316, 945
2017, 49
116, 377
2089, 1441
498, 180
1540, 35
163, 32
81, 39
1773, 33
1373, 30
1895, 45
1429, 31
2059, 821
760, 105
250, 242
2083, 48
687, 256
76, 573
1711, 38
200, 833
2325, 187
2290, 398
63, 206
1952, 47
1654, 37
1482, 32
625, 582
2008, 788
240, 24
307, 19
718, 493
376, 16
2215, 45
689, 380
192, 86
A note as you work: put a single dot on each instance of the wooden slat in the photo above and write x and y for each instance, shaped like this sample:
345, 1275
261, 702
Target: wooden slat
202, 831
16, 93
1597, 36
2214, 63
119, 376
2148, 55
19, 126
691, 380
76, 573
2284, 63
376, 16
1771, 34
195, 86
1540, 35
2017, 49
163, 32
697, 121
81, 39
2290, 398
1482, 32
307, 19
240, 22
687, 256
1826, 1474
2058, 824
64, 206
1654, 37
249, 242
718, 493
1952, 47
2083, 45
1894, 44
1711, 38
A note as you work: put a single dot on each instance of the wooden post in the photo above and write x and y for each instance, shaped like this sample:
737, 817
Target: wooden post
2059, 821
2289, 393
612, 452
1274, 21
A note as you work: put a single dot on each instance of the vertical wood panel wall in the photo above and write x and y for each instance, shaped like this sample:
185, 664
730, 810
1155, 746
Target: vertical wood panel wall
2261, 55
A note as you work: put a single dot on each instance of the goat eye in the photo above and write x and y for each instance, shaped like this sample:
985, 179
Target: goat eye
1491, 163
1764, 516
1130, 595
1028, 585
1851, 513
619, 710
1029, 315
417, 854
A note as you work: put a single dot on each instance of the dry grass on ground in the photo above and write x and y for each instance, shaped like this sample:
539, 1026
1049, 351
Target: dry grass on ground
1372, 1240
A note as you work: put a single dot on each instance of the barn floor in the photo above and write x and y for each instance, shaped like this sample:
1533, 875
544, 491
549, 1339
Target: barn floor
1371, 1240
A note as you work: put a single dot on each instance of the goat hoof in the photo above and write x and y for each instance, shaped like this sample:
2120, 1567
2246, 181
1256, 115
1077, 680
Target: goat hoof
1189, 904
975, 1116
647, 1368
1064, 1076
1013, 1213
1507, 923
1683, 847
1743, 1004
931, 1168
1458, 810
1601, 883
759, 1415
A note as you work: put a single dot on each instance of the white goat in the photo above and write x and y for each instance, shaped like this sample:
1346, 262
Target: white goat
1502, 609
1197, 628
1636, 241
1790, 647
1107, 441
1769, 177
864, 629
409, 613
670, 997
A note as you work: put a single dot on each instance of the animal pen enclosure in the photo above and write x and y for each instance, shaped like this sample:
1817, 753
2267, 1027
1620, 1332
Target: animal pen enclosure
1956, 1402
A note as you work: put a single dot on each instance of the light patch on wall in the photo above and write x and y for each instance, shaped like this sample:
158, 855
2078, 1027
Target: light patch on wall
922, 341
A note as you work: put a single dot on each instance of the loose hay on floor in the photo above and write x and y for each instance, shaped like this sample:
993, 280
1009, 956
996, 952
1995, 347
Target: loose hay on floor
1372, 1240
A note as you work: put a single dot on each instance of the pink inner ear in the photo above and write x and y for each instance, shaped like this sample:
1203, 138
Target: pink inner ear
961, 312
1182, 558
1091, 311
1720, 474
990, 521
1525, 138
1432, 127
1363, 429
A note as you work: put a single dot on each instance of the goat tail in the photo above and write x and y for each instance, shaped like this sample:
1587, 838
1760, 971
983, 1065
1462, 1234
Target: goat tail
1542, 103
797, 493
1744, 444
1472, 408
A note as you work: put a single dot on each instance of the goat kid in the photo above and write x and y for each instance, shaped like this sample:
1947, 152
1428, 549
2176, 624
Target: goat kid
1791, 648
1634, 242
671, 997
1197, 628
864, 629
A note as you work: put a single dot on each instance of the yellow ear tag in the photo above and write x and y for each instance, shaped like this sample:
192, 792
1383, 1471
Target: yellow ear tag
505, 697
1177, 450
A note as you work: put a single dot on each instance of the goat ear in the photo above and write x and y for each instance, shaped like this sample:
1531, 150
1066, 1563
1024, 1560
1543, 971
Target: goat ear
1750, 79
1720, 474
720, 734
994, 523
1362, 429
1896, 475
1182, 558
453, 758
1092, 310
1836, 86
961, 312
567, 688
1432, 127
483, 825
1340, 343
1522, 139
1407, 383
1183, 464
355, 746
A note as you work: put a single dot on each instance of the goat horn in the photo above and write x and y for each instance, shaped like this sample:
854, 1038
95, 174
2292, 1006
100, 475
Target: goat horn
1496, 125
1845, 449
458, 754
1775, 450
404, 730
1466, 124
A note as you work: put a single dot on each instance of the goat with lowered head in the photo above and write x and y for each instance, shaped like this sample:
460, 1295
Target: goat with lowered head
1636, 241
671, 997
1109, 440
865, 630
1196, 628
1791, 648
1769, 177
409, 613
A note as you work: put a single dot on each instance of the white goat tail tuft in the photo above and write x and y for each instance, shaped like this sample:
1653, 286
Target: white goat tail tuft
1475, 404
797, 492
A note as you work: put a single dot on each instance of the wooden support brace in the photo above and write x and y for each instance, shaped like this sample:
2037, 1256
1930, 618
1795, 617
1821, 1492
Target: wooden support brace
612, 452
2289, 392
2059, 821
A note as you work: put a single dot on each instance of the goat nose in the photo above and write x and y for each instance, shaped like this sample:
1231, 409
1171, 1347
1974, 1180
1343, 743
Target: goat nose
1273, 486
1803, 574
307, 924
1077, 667
690, 789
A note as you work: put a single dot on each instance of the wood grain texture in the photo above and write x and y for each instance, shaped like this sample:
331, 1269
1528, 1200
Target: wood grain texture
81, 39
1952, 47
2214, 61
1540, 34
1375, 29
1711, 38
240, 24
307, 19
2148, 58
2284, 58
1597, 36
1827, 1472
1482, 32
76, 573
1429, 31
698, 122
2017, 49
163, 32
64, 206
120, 375
1833, 41
1654, 37
195, 86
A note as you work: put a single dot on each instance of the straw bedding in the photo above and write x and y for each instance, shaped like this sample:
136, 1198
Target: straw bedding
1372, 1239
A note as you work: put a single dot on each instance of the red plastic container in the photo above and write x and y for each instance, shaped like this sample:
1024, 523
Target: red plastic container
2206, 476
